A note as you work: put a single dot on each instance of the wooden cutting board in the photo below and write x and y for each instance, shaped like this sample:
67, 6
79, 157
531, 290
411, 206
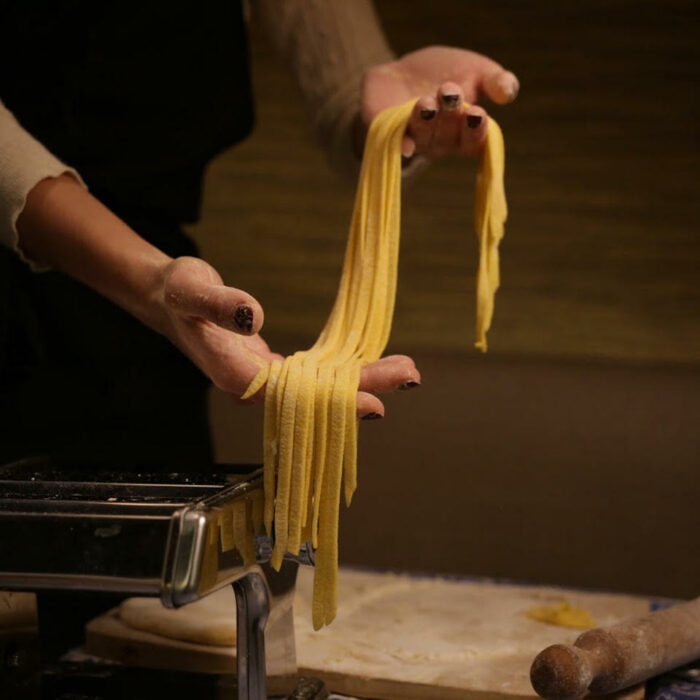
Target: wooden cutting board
397, 637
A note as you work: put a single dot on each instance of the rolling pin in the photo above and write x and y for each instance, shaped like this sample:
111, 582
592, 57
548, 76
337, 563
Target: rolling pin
608, 659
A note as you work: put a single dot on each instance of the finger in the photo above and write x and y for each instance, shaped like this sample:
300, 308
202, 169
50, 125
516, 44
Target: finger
474, 127
385, 375
369, 407
421, 124
257, 344
447, 122
227, 307
389, 374
500, 85
235, 372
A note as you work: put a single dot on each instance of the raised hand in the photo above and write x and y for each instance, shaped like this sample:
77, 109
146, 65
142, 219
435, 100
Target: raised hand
442, 78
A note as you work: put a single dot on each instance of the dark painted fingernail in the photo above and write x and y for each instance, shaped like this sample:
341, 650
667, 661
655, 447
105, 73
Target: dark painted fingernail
428, 114
450, 100
473, 120
372, 416
411, 384
243, 317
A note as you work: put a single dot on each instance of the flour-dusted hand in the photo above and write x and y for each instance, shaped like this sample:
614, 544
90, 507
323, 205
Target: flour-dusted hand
214, 325
442, 78
217, 328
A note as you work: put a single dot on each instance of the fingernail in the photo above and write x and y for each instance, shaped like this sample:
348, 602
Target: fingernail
410, 384
428, 114
450, 100
243, 317
372, 416
473, 120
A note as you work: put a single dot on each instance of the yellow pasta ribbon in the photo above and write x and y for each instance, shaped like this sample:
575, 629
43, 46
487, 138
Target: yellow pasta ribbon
310, 431
258, 382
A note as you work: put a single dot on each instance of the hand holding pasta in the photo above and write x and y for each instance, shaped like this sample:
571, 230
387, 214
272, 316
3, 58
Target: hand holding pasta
310, 433
214, 325
217, 328
440, 78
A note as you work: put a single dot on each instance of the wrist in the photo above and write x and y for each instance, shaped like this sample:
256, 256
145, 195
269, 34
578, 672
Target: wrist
143, 292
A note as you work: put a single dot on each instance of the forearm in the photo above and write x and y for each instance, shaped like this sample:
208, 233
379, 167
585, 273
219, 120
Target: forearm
329, 45
23, 163
64, 227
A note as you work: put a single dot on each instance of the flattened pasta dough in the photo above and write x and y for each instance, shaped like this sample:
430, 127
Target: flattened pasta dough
205, 622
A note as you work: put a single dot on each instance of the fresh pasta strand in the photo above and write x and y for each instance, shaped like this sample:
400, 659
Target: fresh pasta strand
490, 213
256, 512
310, 432
270, 445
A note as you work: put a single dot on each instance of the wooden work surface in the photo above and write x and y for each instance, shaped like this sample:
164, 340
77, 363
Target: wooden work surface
396, 637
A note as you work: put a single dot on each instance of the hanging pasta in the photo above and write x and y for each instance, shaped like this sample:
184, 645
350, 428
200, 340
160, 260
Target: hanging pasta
310, 431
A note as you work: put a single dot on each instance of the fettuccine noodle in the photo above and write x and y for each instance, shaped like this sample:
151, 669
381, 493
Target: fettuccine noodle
310, 432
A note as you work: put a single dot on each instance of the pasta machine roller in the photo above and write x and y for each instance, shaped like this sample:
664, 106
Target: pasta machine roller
79, 531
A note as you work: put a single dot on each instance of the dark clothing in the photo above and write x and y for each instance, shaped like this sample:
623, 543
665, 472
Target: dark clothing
83, 381
138, 99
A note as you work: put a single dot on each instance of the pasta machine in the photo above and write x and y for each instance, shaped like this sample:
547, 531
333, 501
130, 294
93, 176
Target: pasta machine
72, 535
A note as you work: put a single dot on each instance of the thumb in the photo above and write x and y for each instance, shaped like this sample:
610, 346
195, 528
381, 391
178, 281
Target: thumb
500, 85
195, 290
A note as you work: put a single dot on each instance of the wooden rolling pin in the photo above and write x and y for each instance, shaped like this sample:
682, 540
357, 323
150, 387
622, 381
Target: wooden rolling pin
605, 660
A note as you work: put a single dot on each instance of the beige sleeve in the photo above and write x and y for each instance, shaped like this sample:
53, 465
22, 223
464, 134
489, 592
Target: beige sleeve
23, 163
328, 44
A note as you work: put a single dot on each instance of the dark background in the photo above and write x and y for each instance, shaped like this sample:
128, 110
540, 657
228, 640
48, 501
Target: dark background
568, 454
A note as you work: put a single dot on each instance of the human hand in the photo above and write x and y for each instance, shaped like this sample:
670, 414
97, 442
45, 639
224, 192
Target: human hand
65, 227
442, 78
217, 328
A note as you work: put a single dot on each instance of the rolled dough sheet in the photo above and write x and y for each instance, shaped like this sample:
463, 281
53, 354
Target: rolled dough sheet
396, 632
211, 620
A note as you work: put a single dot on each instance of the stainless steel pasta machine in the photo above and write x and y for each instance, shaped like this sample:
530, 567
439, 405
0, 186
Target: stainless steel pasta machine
74, 532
